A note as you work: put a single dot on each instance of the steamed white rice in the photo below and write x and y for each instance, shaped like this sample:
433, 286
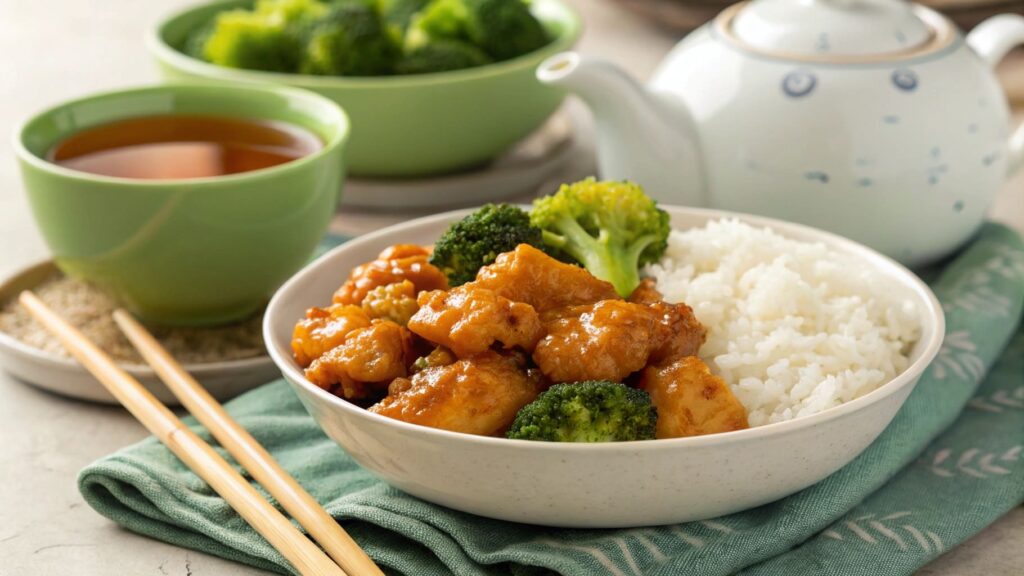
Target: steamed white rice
793, 327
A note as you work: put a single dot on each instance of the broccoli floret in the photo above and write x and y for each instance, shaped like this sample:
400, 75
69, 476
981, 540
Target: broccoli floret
349, 41
399, 13
503, 29
441, 56
592, 411
476, 240
438, 20
263, 39
290, 11
195, 42
611, 228
242, 39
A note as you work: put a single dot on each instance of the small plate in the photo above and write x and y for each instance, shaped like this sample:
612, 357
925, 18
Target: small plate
66, 377
523, 169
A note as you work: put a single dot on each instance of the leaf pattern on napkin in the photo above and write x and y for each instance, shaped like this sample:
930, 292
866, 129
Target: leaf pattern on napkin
870, 529
976, 291
958, 357
618, 556
1008, 262
999, 401
973, 462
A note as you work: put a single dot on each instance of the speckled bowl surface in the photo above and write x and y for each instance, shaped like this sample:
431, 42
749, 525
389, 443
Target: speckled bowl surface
597, 485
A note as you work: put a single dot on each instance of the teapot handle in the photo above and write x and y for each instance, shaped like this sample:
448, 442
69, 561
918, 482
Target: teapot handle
991, 41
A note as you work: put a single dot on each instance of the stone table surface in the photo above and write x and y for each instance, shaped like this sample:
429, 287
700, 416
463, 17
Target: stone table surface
61, 49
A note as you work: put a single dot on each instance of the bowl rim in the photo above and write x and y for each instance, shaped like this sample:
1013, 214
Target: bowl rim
341, 124
39, 356
164, 52
931, 343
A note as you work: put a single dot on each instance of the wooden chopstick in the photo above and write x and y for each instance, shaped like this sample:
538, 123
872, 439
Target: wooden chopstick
248, 452
196, 454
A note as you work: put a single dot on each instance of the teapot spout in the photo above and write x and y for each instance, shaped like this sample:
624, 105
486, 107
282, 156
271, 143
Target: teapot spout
647, 138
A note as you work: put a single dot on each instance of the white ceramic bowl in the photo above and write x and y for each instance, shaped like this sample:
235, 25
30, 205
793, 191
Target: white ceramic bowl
597, 485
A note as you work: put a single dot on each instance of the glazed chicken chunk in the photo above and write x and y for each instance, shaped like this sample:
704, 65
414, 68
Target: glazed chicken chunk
646, 292
685, 333
480, 395
366, 362
531, 276
397, 263
691, 400
324, 329
468, 320
608, 340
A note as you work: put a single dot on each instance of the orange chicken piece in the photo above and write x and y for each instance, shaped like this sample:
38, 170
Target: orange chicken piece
468, 320
366, 362
478, 395
685, 333
691, 400
324, 329
608, 340
646, 292
528, 275
397, 263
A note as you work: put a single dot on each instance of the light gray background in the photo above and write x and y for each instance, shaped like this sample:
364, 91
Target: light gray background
54, 50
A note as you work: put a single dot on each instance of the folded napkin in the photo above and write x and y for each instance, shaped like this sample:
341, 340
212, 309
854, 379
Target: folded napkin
939, 474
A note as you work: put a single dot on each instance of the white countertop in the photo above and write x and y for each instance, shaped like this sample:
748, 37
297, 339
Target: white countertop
61, 49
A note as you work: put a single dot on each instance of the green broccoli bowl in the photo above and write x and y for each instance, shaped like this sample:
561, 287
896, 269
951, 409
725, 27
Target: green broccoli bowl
403, 125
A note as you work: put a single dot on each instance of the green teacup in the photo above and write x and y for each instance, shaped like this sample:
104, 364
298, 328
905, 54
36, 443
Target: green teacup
405, 126
186, 252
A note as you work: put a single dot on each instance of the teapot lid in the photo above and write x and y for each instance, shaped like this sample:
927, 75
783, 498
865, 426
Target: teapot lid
835, 30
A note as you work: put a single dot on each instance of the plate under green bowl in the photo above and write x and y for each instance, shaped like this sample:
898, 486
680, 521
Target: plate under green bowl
406, 125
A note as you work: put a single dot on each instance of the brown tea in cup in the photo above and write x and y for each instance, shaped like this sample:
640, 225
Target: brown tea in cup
176, 147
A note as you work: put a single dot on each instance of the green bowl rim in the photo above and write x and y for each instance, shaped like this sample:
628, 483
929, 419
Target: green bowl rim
337, 141
166, 53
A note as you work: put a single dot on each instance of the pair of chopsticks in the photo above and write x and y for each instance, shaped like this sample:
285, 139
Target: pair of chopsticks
305, 556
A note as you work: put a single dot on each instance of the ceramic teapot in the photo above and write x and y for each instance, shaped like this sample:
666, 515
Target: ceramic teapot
875, 119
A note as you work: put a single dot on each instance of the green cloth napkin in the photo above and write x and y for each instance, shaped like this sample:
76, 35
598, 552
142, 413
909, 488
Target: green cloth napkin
939, 474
